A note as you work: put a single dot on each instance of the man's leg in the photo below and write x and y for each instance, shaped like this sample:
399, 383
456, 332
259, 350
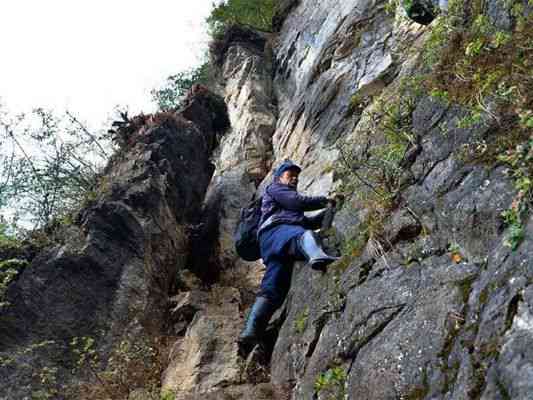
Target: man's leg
310, 246
274, 288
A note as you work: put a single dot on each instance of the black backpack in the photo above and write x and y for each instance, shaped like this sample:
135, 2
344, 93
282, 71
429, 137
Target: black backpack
420, 11
246, 243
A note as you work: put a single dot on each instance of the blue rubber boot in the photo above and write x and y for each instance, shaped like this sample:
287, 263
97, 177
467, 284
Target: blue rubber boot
310, 247
255, 325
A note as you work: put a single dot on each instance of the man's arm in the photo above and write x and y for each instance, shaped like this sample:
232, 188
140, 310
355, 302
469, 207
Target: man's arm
315, 222
290, 199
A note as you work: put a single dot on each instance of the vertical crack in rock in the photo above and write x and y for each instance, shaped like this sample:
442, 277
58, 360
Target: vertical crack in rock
378, 320
455, 327
206, 360
512, 310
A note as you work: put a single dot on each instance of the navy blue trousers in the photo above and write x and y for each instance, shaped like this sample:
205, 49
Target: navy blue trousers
279, 250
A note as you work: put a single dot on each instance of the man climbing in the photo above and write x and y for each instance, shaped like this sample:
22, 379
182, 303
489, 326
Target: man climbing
285, 235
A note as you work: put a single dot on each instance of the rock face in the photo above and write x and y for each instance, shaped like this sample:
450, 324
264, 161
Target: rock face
205, 360
112, 276
409, 321
437, 306
442, 311
244, 156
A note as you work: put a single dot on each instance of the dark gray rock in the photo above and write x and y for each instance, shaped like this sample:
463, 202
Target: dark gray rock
120, 262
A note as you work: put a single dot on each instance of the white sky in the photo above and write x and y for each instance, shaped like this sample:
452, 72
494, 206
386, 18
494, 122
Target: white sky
89, 56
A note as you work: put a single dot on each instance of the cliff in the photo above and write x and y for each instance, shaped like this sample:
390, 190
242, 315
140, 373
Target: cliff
424, 129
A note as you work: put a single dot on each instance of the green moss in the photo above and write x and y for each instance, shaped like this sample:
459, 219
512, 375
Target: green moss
300, 323
503, 390
357, 104
332, 383
419, 392
13, 264
337, 297
9, 270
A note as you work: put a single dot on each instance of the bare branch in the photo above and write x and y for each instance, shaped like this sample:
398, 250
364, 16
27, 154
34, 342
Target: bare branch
86, 131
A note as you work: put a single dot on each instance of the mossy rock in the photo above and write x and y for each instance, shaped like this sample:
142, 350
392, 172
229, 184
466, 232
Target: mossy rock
13, 263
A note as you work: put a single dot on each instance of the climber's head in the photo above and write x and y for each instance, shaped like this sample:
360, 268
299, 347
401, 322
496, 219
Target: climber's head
287, 173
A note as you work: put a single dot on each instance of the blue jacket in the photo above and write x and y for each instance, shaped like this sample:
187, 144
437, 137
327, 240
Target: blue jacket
282, 204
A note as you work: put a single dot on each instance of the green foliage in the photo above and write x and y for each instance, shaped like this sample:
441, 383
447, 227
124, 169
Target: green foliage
48, 164
380, 162
300, 323
9, 269
373, 163
354, 246
168, 395
520, 161
132, 364
330, 385
47, 379
526, 119
391, 6
470, 59
44, 382
501, 39
474, 48
337, 298
169, 97
357, 104
8, 239
443, 31
254, 13
373, 167
473, 118
490, 73
84, 351
441, 95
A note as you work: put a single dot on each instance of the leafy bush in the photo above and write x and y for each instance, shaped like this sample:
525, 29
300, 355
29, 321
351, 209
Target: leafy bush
48, 165
170, 95
256, 14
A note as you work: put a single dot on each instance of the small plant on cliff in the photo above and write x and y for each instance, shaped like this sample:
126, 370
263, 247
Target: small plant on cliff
168, 395
520, 161
375, 164
9, 269
330, 385
49, 387
300, 323
132, 364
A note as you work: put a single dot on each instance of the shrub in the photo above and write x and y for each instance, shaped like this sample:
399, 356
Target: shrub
331, 384
255, 14
170, 96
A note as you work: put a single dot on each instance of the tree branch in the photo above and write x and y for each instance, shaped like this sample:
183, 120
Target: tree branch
86, 131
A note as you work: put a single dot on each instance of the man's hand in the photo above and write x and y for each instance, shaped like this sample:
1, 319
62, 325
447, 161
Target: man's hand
332, 200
